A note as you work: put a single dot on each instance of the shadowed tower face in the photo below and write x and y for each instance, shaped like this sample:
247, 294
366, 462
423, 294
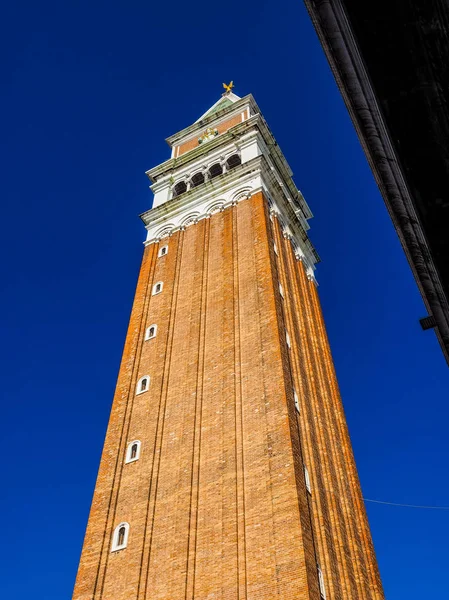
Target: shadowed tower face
227, 470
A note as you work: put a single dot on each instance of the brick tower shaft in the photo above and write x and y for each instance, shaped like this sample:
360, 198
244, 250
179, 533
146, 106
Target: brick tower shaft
227, 470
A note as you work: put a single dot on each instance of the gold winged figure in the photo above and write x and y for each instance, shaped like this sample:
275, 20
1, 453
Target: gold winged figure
228, 87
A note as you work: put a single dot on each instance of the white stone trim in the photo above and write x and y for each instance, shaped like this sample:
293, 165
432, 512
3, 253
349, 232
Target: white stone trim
200, 129
190, 220
254, 126
203, 169
139, 389
296, 400
213, 120
229, 188
163, 251
129, 448
216, 207
147, 332
165, 231
231, 96
115, 536
163, 187
321, 583
307, 480
157, 288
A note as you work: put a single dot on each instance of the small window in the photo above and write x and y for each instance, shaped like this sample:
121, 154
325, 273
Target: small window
275, 248
296, 399
321, 583
179, 188
196, 180
287, 339
157, 288
132, 451
281, 291
151, 332
143, 384
120, 537
307, 479
162, 251
215, 170
233, 161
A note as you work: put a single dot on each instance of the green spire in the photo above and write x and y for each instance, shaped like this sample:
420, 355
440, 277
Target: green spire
222, 104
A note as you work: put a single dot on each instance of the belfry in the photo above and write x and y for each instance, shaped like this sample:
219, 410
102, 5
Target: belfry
227, 470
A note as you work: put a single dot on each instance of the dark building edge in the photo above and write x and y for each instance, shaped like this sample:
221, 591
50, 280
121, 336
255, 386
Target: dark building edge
336, 36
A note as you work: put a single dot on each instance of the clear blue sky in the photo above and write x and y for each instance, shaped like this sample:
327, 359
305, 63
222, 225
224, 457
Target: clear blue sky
90, 90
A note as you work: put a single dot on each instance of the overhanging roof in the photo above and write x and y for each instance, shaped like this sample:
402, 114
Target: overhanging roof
389, 58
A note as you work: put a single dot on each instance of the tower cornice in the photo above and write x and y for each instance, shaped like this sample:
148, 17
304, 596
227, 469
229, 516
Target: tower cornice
237, 134
230, 188
215, 118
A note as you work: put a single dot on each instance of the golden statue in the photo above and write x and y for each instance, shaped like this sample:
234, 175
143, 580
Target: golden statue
228, 87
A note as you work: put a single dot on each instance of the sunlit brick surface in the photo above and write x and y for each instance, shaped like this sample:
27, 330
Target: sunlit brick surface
217, 503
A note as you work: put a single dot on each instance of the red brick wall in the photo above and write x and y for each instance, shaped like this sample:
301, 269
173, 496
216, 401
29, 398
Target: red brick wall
222, 127
340, 528
217, 504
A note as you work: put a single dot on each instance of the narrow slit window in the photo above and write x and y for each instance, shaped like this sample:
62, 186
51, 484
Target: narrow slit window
163, 251
281, 291
321, 584
120, 537
307, 480
275, 248
132, 451
157, 288
296, 399
287, 339
151, 332
143, 384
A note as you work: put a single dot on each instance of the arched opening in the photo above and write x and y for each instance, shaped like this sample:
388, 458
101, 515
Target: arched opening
151, 332
197, 179
215, 170
132, 451
157, 287
233, 161
120, 537
179, 188
143, 384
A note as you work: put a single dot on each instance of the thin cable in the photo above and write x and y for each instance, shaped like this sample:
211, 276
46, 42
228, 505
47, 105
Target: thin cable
407, 505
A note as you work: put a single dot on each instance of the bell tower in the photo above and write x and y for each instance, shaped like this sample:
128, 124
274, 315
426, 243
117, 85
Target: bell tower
227, 470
